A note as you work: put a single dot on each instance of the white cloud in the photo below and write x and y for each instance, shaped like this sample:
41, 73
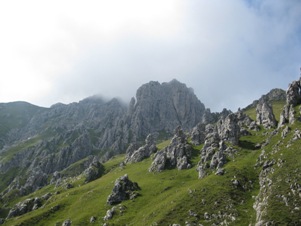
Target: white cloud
228, 52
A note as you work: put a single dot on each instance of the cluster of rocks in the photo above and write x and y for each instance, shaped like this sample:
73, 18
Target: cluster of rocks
124, 189
115, 210
94, 171
293, 98
264, 114
133, 155
245, 123
176, 154
27, 206
214, 151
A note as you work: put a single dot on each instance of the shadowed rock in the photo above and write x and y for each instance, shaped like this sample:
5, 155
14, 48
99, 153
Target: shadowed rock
264, 115
176, 154
124, 189
143, 152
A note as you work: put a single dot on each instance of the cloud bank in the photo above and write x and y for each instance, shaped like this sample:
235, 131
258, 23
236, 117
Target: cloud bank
230, 52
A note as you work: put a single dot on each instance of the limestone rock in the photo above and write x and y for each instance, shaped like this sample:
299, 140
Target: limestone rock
198, 134
24, 207
124, 189
67, 223
293, 94
162, 107
143, 152
92, 219
264, 115
228, 129
94, 171
215, 150
176, 154
109, 214
293, 98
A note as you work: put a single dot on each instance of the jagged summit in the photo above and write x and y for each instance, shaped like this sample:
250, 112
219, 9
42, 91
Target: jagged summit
164, 107
218, 169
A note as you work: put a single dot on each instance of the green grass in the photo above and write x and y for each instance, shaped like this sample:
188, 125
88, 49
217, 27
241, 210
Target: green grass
10, 153
165, 197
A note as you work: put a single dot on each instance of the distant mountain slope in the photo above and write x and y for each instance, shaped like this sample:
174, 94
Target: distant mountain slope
275, 95
13, 117
37, 142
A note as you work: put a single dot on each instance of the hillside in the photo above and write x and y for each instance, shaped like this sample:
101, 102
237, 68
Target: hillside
235, 169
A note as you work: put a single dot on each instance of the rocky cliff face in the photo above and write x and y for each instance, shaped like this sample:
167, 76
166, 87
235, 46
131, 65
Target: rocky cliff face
163, 107
45, 141
293, 98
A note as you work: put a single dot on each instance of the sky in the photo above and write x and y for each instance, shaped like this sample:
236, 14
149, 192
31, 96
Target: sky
229, 52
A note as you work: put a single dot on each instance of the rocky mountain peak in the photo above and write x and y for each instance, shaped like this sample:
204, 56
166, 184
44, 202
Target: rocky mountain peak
164, 107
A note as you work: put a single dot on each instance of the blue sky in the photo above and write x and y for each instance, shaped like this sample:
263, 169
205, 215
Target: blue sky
229, 52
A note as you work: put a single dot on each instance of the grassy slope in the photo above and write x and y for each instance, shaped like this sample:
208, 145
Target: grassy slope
167, 197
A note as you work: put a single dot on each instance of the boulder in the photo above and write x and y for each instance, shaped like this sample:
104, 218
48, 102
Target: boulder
94, 171
293, 98
143, 152
264, 115
24, 207
176, 154
67, 223
198, 134
293, 93
92, 219
109, 214
228, 129
124, 189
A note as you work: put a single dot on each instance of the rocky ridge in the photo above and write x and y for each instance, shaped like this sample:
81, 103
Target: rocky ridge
176, 154
222, 142
53, 139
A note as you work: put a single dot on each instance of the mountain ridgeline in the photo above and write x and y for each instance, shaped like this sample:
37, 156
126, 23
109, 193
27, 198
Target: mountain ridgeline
191, 166
41, 141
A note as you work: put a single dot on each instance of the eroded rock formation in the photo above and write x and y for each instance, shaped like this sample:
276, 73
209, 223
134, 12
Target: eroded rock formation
124, 189
176, 154
143, 152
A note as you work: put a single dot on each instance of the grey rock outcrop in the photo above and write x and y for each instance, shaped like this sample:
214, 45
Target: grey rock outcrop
293, 93
67, 223
198, 134
176, 154
293, 98
143, 152
244, 121
215, 151
228, 129
162, 107
94, 171
24, 207
109, 214
264, 115
124, 189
